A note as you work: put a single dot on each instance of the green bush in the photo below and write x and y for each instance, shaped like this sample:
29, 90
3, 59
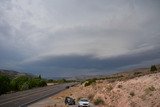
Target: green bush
50, 81
153, 68
33, 82
36, 82
4, 84
20, 83
17, 82
42, 83
137, 74
89, 82
25, 86
62, 81
24, 83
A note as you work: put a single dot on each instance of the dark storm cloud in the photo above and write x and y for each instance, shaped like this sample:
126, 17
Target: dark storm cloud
78, 64
78, 37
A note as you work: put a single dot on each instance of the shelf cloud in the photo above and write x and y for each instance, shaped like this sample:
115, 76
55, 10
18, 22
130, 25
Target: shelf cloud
70, 38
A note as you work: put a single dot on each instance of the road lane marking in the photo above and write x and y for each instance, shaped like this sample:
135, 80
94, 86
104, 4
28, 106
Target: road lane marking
24, 97
24, 94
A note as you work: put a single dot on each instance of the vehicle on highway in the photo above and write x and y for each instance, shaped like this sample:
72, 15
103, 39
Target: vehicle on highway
83, 102
67, 87
69, 101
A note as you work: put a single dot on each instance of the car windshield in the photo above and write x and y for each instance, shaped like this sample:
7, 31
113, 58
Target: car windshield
84, 100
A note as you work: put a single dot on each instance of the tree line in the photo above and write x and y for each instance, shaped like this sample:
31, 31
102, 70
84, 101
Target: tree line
19, 83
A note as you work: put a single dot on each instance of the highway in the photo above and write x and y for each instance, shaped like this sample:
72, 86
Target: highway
24, 98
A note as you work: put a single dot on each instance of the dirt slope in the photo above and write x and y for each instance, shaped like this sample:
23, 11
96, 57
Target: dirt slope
141, 91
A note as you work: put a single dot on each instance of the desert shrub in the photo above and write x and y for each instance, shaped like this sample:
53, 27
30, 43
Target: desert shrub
50, 81
119, 86
137, 74
109, 87
102, 78
79, 98
150, 89
132, 93
90, 97
99, 101
89, 82
111, 80
62, 81
153, 68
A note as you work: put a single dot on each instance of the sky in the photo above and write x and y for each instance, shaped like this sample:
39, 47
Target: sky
78, 37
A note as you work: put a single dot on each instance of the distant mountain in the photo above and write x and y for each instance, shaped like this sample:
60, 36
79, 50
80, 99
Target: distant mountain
125, 72
12, 73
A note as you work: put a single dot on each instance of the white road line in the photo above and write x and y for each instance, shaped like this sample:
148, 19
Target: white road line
24, 97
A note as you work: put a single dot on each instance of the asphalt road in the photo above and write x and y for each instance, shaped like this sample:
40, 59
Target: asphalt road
24, 98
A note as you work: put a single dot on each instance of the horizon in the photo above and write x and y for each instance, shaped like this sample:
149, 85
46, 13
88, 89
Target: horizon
63, 38
83, 75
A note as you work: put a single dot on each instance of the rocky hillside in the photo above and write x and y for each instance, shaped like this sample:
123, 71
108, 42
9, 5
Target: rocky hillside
12, 73
138, 91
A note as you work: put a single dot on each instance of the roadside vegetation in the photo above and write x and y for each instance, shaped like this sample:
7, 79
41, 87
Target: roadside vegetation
153, 68
60, 81
89, 82
150, 89
12, 83
132, 93
19, 83
122, 89
98, 101
122, 76
22, 82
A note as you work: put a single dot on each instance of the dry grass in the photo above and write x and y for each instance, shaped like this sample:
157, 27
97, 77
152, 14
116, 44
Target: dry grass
138, 89
150, 89
99, 101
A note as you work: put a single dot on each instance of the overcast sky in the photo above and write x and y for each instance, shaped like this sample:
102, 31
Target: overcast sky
78, 37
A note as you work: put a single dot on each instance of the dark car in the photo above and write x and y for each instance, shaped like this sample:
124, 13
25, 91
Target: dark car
67, 87
69, 101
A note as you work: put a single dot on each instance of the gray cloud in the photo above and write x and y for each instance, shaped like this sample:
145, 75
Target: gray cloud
87, 36
72, 64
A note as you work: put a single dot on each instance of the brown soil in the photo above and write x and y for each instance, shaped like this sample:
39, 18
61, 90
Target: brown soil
141, 91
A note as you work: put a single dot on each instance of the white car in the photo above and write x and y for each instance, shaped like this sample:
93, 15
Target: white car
83, 103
